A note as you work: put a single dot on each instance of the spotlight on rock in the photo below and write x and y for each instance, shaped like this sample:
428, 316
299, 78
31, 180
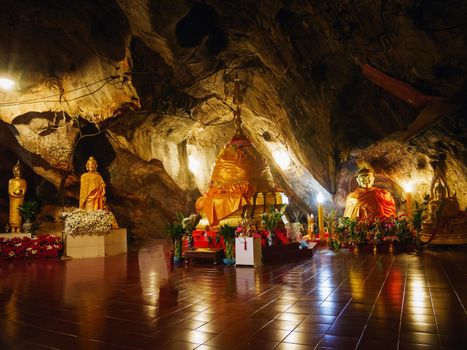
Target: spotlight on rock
282, 158
193, 164
6, 84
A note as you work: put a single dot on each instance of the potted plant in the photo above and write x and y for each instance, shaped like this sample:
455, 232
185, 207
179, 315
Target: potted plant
189, 225
228, 233
28, 211
270, 221
176, 231
334, 235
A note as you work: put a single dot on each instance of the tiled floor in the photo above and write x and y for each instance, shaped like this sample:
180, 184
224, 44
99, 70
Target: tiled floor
333, 301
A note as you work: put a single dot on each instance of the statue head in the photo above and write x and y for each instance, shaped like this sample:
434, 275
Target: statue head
17, 170
440, 191
91, 164
365, 178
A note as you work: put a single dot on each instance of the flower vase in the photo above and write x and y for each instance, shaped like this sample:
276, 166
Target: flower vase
270, 238
27, 227
177, 251
375, 248
190, 242
391, 248
229, 259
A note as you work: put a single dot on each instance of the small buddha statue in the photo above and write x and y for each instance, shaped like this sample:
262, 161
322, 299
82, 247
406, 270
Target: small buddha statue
311, 225
16, 189
445, 222
368, 201
92, 191
441, 206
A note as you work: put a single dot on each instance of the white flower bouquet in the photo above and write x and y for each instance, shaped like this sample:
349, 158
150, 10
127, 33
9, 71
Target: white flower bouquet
83, 222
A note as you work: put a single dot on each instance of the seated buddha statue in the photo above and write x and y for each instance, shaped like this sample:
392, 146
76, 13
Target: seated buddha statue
445, 222
368, 201
16, 190
241, 184
441, 206
92, 190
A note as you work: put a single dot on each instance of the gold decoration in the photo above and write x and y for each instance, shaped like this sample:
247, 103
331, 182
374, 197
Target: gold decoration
92, 191
16, 189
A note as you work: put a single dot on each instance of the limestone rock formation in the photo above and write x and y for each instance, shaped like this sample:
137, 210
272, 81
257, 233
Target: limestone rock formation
146, 86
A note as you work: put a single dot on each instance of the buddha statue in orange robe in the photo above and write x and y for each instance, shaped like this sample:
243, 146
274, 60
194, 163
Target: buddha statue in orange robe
368, 201
16, 190
92, 191
240, 173
241, 182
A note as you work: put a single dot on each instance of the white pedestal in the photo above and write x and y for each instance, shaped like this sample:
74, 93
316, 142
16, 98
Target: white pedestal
94, 246
14, 235
249, 253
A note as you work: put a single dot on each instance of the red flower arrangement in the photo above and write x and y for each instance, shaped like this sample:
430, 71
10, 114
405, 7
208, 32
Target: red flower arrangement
48, 246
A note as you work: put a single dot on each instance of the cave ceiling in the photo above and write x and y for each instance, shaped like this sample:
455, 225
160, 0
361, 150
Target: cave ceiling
145, 86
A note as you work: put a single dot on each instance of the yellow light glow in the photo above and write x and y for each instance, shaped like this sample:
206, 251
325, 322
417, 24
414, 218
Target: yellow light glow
407, 187
193, 164
320, 198
282, 158
6, 84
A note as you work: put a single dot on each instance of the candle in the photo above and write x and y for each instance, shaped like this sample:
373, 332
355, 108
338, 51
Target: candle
408, 199
320, 200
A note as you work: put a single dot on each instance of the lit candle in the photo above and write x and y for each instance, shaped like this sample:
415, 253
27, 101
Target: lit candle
408, 199
320, 200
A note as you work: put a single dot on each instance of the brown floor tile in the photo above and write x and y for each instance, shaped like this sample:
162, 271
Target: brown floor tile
284, 325
418, 327
315, 328
179, 345
272, 334
338, 342
376, 344
196, 337
303, 338
290, 346
419, 338
336, 300
255, 344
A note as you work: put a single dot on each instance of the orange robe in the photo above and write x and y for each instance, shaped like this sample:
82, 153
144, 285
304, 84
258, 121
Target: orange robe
369, 203
92, 192
239, 173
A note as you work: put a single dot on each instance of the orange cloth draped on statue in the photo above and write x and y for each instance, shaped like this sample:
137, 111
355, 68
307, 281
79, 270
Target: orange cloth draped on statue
238, 174
92, 191
370, 203
217, 204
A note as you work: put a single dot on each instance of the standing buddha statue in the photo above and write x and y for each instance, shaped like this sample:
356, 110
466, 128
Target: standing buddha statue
16, 189
368, 201
92, 191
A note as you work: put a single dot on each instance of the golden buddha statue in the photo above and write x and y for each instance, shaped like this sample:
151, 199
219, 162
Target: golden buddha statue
16, 189
368, 201
241, 183
92, 191
445, 222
